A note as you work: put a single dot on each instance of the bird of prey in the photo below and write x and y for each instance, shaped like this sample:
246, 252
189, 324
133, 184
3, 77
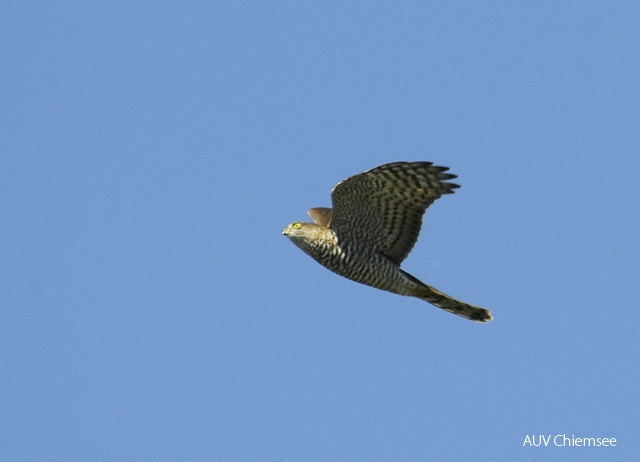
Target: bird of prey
373, 225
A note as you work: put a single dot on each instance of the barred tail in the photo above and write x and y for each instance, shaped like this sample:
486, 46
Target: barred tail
448, 303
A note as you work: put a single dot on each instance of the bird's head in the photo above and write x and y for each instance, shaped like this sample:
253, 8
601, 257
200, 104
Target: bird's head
303, 234
298, 229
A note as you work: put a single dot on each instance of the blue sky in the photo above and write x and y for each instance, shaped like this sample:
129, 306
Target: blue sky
152, 153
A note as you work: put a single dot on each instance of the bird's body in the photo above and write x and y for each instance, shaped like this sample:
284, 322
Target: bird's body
364, 266
374, 224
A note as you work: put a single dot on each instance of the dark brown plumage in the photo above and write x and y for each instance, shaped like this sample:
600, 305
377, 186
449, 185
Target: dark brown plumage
374, 224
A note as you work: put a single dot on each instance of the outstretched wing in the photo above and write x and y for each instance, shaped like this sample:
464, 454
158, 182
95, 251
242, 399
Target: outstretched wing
383, 207
321, 215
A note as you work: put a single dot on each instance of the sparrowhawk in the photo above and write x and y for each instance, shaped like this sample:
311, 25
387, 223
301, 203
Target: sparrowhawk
374, 224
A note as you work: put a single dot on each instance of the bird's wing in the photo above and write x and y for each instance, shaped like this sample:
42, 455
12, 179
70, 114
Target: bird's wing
321, 215
383, 207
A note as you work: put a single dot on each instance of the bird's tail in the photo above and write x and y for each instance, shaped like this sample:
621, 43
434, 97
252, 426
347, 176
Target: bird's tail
448, 303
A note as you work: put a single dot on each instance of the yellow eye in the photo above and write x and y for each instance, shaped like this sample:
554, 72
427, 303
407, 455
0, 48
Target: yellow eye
297, 225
